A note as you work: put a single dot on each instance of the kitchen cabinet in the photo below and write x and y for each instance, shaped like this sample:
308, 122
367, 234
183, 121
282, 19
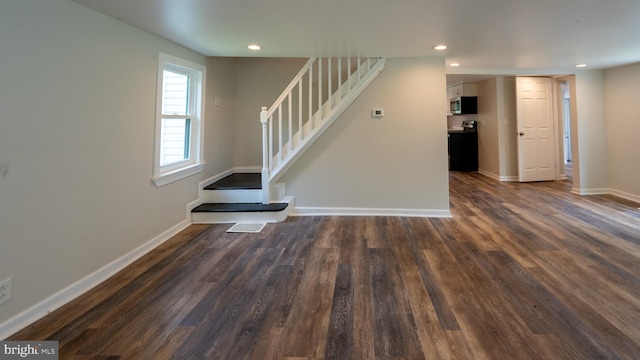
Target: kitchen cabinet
463, 151
462, 90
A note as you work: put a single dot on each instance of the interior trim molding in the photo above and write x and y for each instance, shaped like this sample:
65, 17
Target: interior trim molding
509, 178
64, 296
202, 184
497, 177
489, 174
173, 176
625, 195
247, 169
330, 211
607, 191
595, 191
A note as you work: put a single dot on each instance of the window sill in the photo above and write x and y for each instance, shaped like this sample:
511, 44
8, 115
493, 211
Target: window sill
179, 174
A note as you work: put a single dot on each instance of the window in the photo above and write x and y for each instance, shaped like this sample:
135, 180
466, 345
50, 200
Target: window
179, 120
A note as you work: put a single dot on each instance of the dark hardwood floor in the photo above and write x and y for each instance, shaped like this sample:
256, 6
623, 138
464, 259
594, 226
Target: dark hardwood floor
522, 271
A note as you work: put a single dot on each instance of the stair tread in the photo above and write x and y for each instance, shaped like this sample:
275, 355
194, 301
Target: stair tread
239, 207
237, 181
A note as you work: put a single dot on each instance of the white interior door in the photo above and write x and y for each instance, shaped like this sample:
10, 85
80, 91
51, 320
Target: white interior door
536, 152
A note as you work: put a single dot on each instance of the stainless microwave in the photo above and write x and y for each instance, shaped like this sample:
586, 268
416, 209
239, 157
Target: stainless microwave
463, 105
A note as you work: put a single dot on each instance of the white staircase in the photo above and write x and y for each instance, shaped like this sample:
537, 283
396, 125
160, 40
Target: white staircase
314, 99
236, 198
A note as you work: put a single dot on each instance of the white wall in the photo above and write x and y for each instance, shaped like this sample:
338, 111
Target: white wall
488, 123
388, 164
77, 102
507, 128
622, 86
497, 147
220, 128
259, 82
592, 148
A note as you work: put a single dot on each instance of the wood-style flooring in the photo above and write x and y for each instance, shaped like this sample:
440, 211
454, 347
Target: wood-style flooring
522, 271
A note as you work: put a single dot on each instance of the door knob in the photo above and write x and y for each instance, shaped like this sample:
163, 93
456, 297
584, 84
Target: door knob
521, 133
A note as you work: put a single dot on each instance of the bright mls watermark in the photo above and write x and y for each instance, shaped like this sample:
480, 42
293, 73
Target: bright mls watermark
39, 350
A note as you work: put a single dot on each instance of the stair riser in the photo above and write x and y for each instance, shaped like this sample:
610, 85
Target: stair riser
231, 196
234, 217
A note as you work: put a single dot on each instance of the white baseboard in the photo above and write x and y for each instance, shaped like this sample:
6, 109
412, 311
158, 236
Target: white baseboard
489, 174
192, 205
209, 181
224, 174
215, 178
325, 211
497, 177
62, 297
625, 195
595, 191
607, 191
247, 169
509, 178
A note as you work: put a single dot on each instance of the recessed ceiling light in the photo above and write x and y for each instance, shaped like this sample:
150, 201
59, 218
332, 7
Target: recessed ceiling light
454, 64
254, 47
440, 47
581, 65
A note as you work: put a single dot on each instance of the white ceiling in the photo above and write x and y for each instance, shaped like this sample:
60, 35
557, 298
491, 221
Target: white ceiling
485, 37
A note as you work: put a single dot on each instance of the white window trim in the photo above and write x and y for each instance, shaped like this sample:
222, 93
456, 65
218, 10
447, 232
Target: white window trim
163, 175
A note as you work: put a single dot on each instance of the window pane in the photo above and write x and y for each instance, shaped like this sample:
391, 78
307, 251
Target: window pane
174, 139
179, 119
175, 93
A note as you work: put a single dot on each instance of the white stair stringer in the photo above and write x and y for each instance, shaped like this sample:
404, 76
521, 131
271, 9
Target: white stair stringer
320, 125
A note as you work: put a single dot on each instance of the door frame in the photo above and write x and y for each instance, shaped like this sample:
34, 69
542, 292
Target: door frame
566, 130
553, 174
573, 131
556, 81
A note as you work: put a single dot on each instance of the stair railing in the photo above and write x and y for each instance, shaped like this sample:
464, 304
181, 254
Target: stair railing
316, 96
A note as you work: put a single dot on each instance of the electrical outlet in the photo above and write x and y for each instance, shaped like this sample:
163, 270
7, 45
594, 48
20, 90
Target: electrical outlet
5, 291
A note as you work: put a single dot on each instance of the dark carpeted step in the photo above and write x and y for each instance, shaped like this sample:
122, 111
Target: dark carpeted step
240, 207
239, 181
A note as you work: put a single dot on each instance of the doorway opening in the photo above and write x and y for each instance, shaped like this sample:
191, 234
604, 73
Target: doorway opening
565, 93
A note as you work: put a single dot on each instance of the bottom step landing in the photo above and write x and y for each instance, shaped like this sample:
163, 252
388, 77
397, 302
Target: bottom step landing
215, 213
237, 198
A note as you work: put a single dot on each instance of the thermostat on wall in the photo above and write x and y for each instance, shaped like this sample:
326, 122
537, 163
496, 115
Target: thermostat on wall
377, 112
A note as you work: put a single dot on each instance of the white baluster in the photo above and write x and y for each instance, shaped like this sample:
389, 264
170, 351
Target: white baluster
271, 165
349, 73
274, 158
290, 124
330, 87
280, 144
300, 128
319, 88
311, 125
339, 78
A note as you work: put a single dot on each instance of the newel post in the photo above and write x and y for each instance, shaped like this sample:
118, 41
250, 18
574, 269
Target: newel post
265, 156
